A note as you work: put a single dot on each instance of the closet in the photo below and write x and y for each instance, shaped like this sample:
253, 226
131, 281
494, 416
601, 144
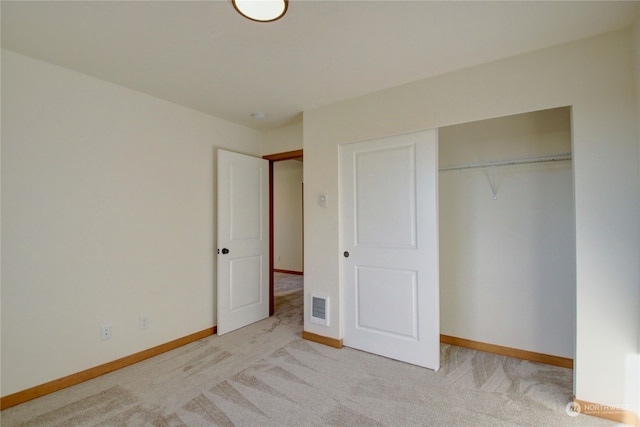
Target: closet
507, 232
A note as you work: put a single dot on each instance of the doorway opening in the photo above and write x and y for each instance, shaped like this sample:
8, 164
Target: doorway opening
286, 227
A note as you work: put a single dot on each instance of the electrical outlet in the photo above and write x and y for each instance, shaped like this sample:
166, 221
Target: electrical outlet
105, 332
144, 322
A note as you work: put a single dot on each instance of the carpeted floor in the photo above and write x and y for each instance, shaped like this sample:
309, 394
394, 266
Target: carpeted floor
266, 375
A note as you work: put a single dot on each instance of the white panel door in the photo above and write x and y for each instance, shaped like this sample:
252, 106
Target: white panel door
390, 242
243, 240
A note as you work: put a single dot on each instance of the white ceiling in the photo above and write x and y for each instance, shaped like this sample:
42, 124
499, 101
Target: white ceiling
203, 55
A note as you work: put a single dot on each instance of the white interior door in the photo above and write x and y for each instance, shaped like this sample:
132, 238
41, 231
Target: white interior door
243, 240
390, 243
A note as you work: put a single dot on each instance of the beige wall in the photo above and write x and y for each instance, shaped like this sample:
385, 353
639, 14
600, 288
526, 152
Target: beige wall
595, 77
507, 264
633, 360
287, 215
288, 138
636, 50
107, 214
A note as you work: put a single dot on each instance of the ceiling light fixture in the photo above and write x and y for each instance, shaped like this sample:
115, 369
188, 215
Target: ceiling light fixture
259, 115
261, 10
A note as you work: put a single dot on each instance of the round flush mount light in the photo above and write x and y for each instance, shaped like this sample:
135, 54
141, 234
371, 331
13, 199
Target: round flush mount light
261, 10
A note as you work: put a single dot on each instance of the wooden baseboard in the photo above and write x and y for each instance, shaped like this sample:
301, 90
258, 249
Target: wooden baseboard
619, 415
508, 351
475, 345
331, 342
299, 273
73, 379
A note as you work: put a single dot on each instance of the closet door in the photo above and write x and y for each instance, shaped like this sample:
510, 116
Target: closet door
390, 247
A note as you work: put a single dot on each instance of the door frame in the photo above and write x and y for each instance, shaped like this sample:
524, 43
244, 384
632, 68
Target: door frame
287, 155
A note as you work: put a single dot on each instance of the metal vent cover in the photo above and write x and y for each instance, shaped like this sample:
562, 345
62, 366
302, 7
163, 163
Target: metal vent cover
320, 310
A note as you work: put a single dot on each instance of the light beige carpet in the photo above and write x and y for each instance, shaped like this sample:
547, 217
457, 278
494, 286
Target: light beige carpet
266, 375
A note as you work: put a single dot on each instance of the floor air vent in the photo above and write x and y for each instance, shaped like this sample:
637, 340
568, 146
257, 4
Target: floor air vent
320, 310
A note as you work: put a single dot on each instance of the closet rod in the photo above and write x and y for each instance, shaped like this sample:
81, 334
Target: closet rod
520, 161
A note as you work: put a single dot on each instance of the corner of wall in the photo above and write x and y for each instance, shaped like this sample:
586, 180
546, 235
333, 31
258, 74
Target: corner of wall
0, 208
636, 61
634, 360
282, 140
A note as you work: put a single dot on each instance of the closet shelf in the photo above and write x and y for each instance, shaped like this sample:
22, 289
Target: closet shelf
520, 161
